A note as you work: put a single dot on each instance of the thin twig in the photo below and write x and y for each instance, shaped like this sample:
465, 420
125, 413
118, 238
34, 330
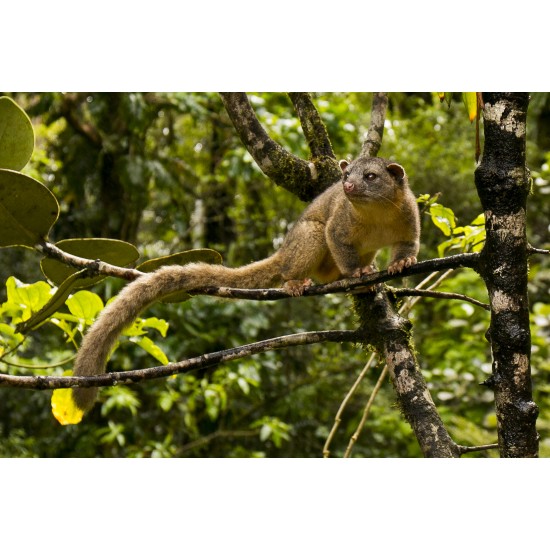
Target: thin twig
533, 250
368, 406
437, 294
343, 405
463, 449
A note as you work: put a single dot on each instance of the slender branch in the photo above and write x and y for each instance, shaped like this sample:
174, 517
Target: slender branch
373, 141
343, 405
368, 406
407, 307
533, 250
436, 294
463, 449
185, 366
305, 180
314, 130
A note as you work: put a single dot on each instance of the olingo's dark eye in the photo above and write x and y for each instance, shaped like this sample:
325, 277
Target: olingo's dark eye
369, 176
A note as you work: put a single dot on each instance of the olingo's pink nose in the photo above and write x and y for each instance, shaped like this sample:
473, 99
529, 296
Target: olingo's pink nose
348, 186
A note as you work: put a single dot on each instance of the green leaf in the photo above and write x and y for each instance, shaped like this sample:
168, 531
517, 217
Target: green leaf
152, 349
181, 258
16, 135
443, 218
24, 300
28, 210
56, 301
112, 251
8, 337
85, 305
137, 328
119, 398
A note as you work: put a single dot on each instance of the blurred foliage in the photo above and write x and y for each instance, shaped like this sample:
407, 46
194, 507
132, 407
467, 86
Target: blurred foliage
166, 172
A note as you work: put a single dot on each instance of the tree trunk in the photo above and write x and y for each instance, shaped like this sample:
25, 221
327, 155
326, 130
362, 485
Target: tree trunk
502, 182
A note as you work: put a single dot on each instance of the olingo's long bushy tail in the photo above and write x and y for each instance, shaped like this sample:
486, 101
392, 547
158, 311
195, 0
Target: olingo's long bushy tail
143, 292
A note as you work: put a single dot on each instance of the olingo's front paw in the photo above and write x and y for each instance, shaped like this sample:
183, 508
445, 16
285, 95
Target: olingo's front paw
399, 265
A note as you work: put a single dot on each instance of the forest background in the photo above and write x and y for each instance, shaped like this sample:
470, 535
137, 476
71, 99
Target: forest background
167, 172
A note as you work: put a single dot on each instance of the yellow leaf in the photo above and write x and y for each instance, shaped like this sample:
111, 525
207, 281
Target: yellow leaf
470, 102
64, 408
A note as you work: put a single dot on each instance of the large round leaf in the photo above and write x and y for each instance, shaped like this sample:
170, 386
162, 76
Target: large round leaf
111, 251
28, 210
16, 135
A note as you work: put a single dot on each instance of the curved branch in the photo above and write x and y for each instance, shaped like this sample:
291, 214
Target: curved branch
185, 366
305, 180
373, 141
314, 129
437, 294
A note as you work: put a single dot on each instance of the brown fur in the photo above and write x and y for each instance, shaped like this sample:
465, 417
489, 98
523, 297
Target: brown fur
338, 235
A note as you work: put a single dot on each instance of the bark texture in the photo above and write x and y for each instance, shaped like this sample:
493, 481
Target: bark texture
502, 182
373, 141
390, 334
305, 179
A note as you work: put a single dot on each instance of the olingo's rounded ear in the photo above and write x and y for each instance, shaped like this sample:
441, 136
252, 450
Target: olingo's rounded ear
343, 164
396, 170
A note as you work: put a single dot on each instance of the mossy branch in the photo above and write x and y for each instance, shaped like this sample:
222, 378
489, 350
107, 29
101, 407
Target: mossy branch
305, 179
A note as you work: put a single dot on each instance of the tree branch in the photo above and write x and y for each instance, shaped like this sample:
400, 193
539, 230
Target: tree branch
315, 131
389, 333
185, 366
359, 284
305, 180
97, 267
373, 141
343, 285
